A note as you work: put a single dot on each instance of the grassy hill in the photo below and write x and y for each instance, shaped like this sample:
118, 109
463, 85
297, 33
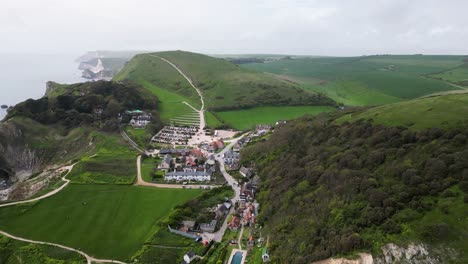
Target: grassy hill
447, 111
367, 80
225, 86
331, 189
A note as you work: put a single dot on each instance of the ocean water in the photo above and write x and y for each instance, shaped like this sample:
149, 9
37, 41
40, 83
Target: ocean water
24, 76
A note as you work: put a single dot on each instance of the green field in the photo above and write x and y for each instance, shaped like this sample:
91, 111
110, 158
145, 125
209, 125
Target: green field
457, 75
248, 118
106, 221
367, 80
446, 111
114, 162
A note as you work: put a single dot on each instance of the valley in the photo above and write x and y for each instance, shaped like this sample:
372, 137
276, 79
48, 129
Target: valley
336, 156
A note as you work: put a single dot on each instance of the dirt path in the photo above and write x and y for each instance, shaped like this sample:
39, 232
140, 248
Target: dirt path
89, 259
239, 240
69, 168
201, 112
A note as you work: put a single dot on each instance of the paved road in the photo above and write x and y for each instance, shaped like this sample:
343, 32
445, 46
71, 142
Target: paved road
218, 236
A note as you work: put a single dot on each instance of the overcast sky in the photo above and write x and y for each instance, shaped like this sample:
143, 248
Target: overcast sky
334, 27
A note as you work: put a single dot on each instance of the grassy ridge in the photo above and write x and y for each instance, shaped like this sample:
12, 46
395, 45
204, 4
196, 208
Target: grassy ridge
248, 118
106, 221
379, 79
224, 85
446, 111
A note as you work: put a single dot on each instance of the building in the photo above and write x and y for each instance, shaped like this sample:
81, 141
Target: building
235, 223
246, 172
189, 257
231, 157
209, 227
166, 162
187, 176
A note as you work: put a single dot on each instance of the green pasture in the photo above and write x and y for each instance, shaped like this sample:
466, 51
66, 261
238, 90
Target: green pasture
447, 111
248, 118
367, 80
106, 221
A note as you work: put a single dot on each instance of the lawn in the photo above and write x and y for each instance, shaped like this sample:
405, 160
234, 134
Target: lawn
106, 221
248, 118
456, 75
446, 111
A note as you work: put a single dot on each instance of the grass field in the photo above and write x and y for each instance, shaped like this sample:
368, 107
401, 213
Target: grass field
370, 80
457, 75
106, 221
446, 111
248, 118
114, 162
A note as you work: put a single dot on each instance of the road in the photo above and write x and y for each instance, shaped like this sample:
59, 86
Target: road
129, 140
218, 236
201, 112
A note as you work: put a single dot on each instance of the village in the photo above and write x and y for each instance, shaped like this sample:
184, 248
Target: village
212, 162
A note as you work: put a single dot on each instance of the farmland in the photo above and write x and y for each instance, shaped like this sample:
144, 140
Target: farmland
380, 79
92, 217
446, 111
248, 118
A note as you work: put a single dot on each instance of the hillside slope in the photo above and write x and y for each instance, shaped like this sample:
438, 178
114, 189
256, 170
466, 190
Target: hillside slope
447, 111
63, 125
367, 80
225, 86
330, 189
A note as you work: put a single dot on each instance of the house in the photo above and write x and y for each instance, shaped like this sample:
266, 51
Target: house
255, 181
235, 223
246, 172
213, 147
263, 128
219, 144
236, 147
197, 153
188, 175
187, 226
222, 210
231, 157
280, 122
140, 120
189, 256
166, 162
208, 227
247, 192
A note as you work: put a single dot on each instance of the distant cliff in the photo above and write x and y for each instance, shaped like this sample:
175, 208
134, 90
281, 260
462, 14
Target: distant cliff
103, 65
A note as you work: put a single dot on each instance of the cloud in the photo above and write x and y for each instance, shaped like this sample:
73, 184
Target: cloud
332, 27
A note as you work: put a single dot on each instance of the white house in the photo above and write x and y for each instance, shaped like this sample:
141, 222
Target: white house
187, 176
189, 256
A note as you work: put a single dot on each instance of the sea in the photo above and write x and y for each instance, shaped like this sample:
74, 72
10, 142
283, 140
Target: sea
24, 76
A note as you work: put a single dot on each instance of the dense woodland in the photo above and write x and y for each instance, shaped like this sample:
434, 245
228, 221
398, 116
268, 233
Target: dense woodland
330, 189
91, 103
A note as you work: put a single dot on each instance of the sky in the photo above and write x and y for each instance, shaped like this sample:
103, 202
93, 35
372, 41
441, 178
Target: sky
332, 27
